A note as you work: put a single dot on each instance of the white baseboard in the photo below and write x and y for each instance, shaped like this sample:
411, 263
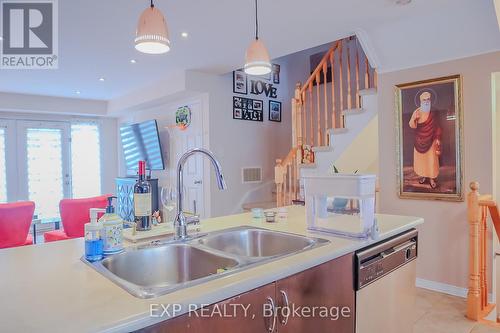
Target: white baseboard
445, 288
442, 287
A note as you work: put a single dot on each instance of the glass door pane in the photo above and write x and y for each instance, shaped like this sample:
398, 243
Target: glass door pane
46, 177
85, 160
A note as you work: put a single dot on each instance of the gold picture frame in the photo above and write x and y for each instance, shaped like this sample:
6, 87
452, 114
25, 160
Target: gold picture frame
429, 118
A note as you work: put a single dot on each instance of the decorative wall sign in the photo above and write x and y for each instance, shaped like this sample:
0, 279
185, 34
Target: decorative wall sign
276, 73
240, 82
275, 111
183, 117
429, 115
248, 109
258, 87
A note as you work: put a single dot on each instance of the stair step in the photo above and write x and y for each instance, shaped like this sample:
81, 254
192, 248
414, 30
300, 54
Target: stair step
322, 148
348, 112
370, 91
337, 130
307, 166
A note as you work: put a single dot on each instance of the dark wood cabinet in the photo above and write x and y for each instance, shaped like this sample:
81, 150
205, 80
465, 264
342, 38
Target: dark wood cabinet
320, 299
327, 289
225, 316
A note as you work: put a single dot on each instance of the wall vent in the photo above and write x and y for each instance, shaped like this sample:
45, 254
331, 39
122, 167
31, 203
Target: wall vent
251, 175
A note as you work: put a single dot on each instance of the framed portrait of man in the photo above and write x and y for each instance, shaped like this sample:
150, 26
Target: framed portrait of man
429, 139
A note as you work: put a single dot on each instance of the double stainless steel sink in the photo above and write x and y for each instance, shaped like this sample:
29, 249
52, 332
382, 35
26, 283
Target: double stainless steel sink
155, 269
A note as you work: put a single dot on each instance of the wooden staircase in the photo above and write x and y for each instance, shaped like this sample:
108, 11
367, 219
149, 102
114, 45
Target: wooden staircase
319, 110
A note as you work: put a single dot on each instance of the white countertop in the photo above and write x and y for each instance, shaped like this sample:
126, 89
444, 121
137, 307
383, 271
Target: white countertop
47, 288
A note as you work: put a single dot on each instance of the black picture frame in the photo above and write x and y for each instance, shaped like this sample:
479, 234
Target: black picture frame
240, 82
276, 73
275, 111
248, 109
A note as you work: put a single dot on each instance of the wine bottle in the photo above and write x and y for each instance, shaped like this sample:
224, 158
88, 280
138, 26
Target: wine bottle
142, 200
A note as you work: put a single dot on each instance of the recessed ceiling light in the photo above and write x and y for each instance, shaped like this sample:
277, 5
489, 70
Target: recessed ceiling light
184, 35
101, 79
402, 2
1, 38
133, 61
78, 92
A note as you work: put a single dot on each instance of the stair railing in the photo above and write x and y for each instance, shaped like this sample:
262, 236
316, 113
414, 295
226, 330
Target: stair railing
286, 177
477, 215
319, 105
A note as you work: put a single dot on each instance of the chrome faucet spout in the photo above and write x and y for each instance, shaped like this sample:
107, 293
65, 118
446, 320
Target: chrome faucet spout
180, 222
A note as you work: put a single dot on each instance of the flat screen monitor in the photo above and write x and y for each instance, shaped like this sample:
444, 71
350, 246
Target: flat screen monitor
142, 142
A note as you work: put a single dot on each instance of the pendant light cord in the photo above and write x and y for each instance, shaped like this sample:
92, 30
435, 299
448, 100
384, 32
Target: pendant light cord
256, 21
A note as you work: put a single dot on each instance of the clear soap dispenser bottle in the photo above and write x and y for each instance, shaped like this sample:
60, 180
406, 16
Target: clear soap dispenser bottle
93, 237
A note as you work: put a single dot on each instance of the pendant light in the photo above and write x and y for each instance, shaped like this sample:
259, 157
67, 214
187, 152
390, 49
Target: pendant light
257, 60
152, 33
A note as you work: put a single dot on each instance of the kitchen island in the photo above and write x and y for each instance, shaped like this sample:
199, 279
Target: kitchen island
47, 288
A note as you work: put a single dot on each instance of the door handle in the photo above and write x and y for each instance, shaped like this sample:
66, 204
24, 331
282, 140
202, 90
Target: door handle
272, 326
198, 181
286, 308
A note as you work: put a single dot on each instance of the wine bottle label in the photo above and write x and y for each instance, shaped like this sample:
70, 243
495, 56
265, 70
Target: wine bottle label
142, 204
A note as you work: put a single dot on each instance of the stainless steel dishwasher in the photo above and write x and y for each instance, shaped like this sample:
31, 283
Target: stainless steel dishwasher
385, 285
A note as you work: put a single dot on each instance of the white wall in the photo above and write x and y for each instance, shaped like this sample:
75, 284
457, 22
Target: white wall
164, 114
10, 102
443, 254
239, 143
236, 143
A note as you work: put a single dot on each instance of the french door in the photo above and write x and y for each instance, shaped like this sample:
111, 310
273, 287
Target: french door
44, 172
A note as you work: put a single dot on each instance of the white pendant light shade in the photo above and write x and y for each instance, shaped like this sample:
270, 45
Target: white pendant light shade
257, 60
152, 33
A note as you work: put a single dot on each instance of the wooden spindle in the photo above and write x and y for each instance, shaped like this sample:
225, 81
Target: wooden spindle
289, 172
367, 73
484, 246
278, 179
358, 99
349, 88
298, 116
304, 119
311, 127
325, 107
341, 80
295, 178
334, 114
318, 110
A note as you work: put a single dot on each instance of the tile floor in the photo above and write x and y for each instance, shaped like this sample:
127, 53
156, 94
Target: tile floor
440, 313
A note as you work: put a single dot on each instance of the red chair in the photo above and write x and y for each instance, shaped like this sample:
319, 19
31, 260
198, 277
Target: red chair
15, 222
74, 215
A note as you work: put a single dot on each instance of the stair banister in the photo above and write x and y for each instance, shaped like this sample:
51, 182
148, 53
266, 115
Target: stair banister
316, 110
477, 216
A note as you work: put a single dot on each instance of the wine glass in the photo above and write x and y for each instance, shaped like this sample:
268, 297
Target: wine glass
168, 198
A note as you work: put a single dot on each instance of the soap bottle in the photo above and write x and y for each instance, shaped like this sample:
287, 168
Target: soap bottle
93, 237
112, 226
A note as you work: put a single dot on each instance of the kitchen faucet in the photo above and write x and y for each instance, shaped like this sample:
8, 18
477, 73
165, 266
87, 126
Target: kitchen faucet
181, 221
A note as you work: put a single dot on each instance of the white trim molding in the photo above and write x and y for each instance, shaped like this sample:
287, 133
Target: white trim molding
445, 288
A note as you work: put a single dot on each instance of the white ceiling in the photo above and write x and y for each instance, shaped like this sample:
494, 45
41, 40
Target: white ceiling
96, 38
